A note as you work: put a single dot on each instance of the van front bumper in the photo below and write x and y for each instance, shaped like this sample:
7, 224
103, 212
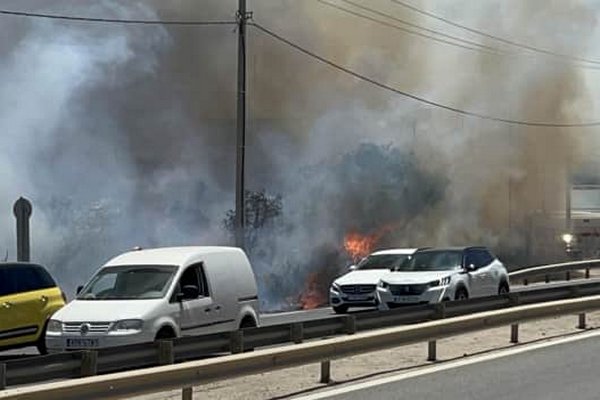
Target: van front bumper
62, 342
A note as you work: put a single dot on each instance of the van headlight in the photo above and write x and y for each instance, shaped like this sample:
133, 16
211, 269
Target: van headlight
127, 325
383, 285
54, 326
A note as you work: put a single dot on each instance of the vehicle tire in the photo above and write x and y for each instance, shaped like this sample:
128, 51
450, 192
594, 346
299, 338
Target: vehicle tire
165, 333
503, 289
461, 294
41, 342
340, 309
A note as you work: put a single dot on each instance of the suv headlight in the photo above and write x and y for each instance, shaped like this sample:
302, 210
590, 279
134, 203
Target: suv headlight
441, 282
383, 285
127, 325
54, 326
335, 287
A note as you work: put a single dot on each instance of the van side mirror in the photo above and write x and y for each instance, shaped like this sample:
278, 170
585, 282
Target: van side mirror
189, 292
79, 289
352, 267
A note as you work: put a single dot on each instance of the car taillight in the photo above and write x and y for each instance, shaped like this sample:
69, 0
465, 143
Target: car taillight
64, 296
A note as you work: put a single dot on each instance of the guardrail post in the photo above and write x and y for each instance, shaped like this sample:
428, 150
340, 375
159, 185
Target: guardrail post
2, 376
89, 363
568, 276
165, 352
325, 371
350, 323
525, 282
587, 273
547, 278
297, 332
432, 350
236, 342
187, 393
514, 333
581, 324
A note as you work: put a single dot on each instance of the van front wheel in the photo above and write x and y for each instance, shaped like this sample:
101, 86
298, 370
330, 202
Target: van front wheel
165, 333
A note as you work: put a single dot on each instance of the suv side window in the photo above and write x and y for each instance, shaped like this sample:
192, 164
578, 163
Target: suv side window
483, 258
488, 257
470, 258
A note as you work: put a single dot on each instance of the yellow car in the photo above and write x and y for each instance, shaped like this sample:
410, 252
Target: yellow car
28, 297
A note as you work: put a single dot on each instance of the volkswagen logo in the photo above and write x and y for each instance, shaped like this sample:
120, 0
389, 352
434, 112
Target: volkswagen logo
84, 329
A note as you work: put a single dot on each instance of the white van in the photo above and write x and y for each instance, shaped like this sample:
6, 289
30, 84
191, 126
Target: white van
144, 295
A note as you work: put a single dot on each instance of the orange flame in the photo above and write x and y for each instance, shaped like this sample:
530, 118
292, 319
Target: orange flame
359, 246
312, 296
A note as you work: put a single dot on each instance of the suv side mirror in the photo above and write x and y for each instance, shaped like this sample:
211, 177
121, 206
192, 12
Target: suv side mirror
189, 292
79, 289
470, 268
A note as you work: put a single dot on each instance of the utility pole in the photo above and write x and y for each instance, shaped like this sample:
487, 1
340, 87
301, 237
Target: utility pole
240, 212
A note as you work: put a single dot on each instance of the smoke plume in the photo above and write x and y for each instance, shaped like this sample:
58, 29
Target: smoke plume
124, 135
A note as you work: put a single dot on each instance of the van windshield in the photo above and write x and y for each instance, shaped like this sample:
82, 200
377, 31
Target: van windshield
129, 282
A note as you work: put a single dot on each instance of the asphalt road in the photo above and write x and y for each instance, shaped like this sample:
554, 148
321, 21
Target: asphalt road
557, 372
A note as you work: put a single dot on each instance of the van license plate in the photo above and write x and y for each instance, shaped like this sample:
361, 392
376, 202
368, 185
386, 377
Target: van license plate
82, 343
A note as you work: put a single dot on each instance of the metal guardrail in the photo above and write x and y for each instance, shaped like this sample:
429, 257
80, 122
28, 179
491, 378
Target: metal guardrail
546, 271
84, 363
186, 375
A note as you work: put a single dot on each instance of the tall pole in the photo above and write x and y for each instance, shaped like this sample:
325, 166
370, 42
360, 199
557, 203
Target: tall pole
240, 213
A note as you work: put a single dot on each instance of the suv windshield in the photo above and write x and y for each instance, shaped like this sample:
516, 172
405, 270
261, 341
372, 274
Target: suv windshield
129, 282
382, 261
442, 260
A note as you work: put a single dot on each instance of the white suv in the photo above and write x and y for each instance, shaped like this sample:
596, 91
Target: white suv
435, 275
357, 288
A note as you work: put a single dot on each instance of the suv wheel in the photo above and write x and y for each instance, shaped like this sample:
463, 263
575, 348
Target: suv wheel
340, 309
461, 294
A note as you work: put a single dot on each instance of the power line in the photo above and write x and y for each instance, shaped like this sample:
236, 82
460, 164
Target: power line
489, 36
408, 23
479, 47
415, 97
112, 20
357, 14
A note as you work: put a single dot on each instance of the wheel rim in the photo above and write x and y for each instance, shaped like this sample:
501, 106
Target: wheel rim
462, 296
503, 290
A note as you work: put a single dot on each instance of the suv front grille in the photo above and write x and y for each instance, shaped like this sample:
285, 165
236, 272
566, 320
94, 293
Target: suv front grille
92, 327
408, 290
357, 289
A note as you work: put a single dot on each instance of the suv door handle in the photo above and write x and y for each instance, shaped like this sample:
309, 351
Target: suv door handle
217, 308
207, 309
44, 299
